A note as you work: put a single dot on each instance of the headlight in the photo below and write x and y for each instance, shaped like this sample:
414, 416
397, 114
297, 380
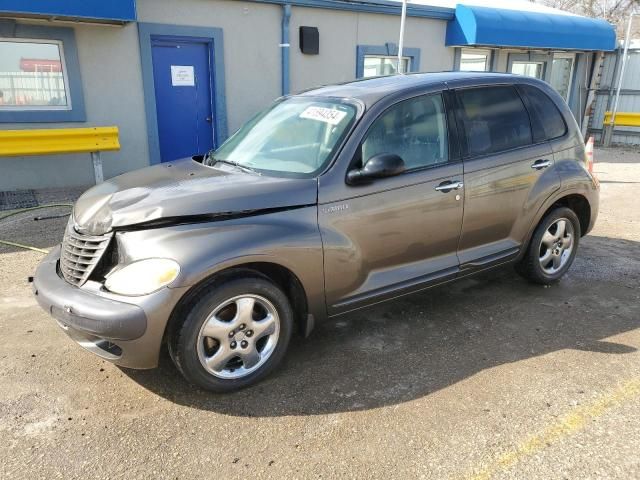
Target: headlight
142, 277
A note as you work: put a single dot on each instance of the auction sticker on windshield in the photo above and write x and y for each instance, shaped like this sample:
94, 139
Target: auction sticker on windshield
322, 114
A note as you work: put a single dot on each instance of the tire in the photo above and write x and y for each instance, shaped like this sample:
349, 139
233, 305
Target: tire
550, 254
221, 322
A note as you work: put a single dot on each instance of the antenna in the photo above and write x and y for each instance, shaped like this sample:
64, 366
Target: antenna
403, 18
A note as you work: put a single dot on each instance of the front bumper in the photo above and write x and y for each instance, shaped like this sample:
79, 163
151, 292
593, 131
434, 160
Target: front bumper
127, 331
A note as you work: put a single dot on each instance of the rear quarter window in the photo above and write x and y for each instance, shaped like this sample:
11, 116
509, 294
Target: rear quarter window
547, 119
494, 119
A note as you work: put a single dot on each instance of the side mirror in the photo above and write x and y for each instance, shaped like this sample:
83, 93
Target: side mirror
379, 166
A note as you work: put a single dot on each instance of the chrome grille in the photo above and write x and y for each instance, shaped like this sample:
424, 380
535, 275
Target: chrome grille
80, 254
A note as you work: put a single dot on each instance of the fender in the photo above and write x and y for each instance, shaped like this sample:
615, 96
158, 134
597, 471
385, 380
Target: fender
575, 180
289, 239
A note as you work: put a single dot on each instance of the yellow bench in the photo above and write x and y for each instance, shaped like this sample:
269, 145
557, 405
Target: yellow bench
91, 140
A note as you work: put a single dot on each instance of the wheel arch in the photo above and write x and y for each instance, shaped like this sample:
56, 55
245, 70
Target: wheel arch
580, 206
575, 200
280, 275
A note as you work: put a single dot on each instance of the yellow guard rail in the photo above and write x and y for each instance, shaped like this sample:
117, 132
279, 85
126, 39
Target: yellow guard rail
91, 140
623, 119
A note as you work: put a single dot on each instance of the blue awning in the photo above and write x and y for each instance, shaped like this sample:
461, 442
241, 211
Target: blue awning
119, 11
493, 27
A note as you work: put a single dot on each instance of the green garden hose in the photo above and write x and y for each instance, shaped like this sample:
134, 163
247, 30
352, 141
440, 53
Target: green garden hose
24, 210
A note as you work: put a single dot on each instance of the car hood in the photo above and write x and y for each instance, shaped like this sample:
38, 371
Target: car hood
182, 189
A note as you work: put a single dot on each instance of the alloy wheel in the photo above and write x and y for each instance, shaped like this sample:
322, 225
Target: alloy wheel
556, 246
239, 336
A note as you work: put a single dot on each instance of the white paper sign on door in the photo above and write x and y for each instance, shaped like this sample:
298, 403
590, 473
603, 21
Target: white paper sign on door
182, 76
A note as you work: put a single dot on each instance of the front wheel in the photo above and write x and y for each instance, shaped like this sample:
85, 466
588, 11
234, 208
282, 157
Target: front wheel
233, 335
553, 247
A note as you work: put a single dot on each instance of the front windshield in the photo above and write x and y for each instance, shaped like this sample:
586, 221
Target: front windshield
295, 136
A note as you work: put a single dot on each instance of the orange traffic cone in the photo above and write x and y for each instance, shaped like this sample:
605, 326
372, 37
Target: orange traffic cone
588, 153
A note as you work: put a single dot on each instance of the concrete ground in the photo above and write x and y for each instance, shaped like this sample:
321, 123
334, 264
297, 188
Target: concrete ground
487, 378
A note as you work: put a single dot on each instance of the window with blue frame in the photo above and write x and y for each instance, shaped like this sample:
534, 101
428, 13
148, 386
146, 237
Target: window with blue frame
39, 75
377, 60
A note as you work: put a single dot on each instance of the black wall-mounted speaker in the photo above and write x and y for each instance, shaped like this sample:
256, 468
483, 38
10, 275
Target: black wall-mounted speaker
309, 40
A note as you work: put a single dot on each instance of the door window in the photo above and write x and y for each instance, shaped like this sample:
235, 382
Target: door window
414, 129
561, 72
494, 120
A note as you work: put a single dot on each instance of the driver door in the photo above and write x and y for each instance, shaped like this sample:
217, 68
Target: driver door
397, 234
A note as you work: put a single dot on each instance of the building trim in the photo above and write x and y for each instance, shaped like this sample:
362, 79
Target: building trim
11, 29
387, 50
147, 31
111, 11
371, 6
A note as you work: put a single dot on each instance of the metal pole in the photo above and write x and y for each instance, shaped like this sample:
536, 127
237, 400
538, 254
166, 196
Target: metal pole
627, 40
96, 159
403, 18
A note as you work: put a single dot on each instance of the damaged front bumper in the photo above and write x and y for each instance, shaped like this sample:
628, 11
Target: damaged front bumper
127, 331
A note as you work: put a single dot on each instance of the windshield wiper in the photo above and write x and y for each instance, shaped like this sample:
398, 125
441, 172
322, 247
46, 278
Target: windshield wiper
208, 159
235, 164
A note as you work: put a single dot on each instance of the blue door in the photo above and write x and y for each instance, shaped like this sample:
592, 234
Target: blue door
183, 86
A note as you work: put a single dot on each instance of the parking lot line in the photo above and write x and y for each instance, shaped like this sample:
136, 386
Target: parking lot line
566, 425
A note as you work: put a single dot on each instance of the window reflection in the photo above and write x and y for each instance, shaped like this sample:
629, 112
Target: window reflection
528, 69
32, 75
475, 60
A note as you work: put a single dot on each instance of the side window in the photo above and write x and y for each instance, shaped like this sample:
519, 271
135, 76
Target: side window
547, 117
414, 129
494, 119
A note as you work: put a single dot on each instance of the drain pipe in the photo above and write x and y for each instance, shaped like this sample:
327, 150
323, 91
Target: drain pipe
285, 47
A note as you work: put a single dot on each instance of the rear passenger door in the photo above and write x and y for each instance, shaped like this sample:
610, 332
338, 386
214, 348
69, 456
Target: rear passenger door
504, 167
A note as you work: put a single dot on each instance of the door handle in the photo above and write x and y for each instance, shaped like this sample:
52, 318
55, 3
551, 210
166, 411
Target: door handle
449, 185
208, 119
540, 164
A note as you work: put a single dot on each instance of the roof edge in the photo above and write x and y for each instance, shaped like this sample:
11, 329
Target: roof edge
371, 6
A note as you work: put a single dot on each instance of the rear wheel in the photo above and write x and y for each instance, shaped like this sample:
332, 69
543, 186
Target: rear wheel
233, 335
553, 247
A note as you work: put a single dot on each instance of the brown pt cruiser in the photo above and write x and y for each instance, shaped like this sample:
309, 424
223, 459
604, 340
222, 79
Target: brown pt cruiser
324, 203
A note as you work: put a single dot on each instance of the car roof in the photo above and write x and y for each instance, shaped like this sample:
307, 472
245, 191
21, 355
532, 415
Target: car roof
370, 90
